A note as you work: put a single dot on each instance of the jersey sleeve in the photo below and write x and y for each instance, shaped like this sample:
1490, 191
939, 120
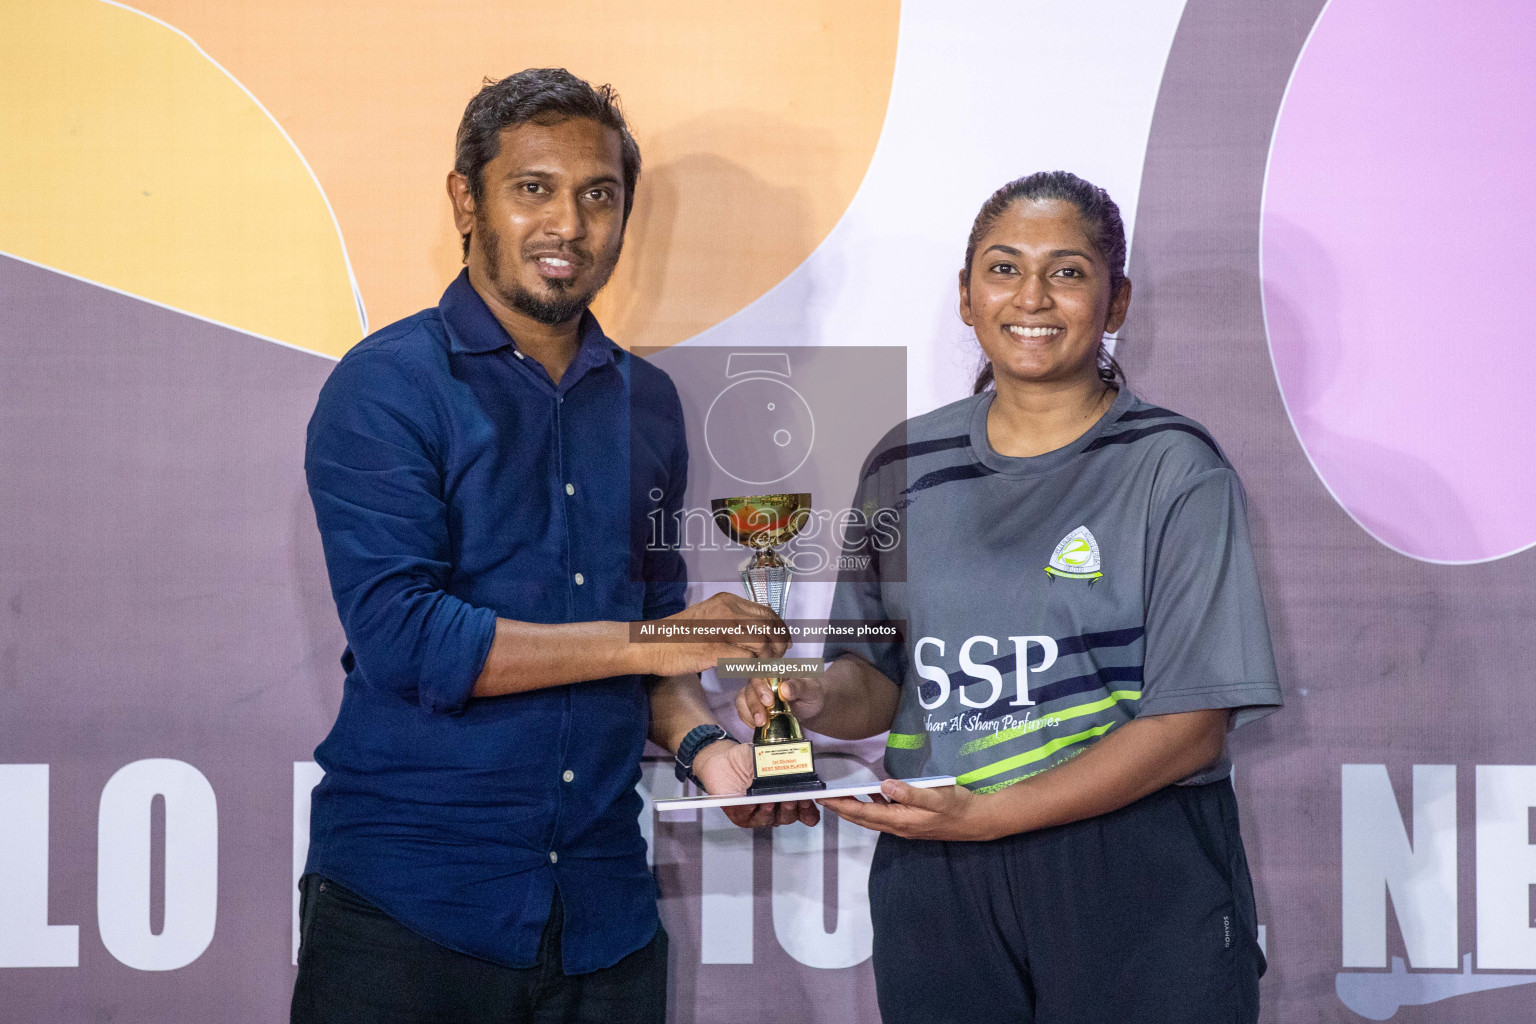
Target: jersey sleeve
1207, 639
872, 557
859, 600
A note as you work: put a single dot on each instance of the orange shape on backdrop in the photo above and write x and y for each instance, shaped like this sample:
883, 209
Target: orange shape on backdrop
756, 123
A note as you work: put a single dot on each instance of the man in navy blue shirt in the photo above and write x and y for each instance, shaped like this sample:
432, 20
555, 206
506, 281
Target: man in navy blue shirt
481, 474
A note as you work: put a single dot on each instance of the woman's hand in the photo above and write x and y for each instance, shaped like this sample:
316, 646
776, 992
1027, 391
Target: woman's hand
948, 812
726, 767
804, 696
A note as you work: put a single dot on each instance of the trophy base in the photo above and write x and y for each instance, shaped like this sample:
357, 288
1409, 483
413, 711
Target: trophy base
784, 768
802, 782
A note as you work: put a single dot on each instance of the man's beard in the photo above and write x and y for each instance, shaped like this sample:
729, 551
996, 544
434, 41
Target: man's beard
557, 309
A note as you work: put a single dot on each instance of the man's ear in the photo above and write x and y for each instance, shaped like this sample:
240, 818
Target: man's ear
463, 201
1119, 305
965, 298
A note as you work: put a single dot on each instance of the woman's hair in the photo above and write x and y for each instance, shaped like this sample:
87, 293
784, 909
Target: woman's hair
1101, 222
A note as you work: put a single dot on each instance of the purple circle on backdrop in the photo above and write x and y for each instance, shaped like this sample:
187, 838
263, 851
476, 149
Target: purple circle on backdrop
1398, 261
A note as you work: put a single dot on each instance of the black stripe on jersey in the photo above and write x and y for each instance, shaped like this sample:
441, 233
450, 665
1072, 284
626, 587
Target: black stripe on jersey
947, 475
1147, 414
1090, 641
1099, 680
906, 451
1007, 663
1128, 436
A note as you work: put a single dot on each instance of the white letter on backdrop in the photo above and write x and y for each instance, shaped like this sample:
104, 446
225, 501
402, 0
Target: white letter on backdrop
799, 885
26, 937
191, 864
1506, 867
1377, 859
725, 905
725, 935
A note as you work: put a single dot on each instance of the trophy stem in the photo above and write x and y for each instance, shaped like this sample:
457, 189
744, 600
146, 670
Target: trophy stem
767, 578
782, 726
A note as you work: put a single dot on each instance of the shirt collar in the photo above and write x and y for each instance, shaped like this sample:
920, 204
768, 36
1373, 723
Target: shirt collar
472, 327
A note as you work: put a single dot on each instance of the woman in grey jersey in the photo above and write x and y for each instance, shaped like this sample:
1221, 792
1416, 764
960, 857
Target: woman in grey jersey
1083, 627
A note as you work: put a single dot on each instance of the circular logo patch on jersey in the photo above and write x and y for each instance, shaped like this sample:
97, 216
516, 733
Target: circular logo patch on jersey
1076, 557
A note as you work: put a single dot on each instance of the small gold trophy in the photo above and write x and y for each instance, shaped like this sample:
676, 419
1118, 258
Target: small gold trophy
781, 754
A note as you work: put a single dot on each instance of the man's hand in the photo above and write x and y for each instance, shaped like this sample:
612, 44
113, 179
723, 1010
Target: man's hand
769, 640
804, 695
726, 767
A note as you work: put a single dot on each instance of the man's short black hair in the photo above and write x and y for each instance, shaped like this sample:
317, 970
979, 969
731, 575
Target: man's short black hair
545, 96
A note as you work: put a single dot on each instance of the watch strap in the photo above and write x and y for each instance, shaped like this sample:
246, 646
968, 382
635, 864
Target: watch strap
699, 737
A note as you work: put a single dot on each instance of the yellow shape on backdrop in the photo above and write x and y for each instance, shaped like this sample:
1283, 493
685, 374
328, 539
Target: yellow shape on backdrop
130, 159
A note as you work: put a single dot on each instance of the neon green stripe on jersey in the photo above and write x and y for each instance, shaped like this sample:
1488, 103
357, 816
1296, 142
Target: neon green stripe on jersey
1030, 756
982, 790
1004, 735
906, 740
1028, 775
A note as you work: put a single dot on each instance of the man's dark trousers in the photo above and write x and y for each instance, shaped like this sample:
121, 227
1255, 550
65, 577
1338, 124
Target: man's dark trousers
357, 965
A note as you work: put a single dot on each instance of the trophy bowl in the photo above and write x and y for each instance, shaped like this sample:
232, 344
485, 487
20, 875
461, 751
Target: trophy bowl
762, 521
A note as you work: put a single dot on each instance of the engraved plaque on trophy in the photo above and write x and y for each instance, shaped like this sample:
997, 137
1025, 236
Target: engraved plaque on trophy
782, 756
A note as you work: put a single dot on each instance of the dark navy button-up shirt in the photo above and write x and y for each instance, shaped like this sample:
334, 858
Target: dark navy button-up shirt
454, 482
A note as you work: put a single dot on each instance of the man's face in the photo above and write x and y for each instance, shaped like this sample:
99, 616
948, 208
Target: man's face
547, 230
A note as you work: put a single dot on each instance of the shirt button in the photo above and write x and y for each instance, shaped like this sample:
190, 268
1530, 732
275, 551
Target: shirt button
569, 776
554, 858
570, 488
580, 579
517, 353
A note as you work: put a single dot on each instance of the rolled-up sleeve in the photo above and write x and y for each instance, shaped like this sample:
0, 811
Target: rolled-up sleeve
373, 461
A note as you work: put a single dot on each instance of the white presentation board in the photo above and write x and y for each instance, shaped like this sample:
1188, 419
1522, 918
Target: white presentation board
737, 799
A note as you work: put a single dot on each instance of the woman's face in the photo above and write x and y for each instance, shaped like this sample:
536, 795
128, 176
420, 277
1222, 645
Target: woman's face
1037, 292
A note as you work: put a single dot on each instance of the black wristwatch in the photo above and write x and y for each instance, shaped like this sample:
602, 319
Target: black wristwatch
697, 739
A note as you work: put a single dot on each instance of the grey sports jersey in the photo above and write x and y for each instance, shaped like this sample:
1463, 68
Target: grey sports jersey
1118, 569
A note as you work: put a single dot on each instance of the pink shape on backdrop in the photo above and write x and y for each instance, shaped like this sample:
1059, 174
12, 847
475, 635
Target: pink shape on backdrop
1399, 264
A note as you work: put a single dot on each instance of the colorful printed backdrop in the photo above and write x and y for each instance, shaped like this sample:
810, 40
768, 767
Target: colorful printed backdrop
202, 206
